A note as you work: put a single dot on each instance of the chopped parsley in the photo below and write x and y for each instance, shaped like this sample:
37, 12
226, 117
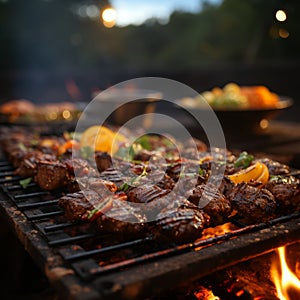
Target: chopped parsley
244, 160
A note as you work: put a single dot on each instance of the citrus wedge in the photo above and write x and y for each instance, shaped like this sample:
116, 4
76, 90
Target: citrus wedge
256, 172
101, 138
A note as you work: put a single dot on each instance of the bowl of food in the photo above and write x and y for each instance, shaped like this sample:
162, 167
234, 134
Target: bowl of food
118, 106
239, 108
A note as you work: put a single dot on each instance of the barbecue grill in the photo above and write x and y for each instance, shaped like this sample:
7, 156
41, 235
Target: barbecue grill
85, 264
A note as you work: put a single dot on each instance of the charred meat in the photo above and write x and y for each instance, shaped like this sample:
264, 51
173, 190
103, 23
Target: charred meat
252, 204
180, 225
286, 191
275, 168
215, 204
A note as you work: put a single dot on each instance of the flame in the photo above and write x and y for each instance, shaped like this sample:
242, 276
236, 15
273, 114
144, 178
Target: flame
284, 279
205, 294
218, 230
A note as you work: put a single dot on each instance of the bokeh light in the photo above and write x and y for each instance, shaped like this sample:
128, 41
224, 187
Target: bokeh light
281, 15
109, 17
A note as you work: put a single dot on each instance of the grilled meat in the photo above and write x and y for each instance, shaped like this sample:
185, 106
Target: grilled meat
151, 195
286, 191
252, 204
216, 205
112, 175
76, 205
124, 219
180, 224
226, 186
51, 175
110, 212
275, 168
100, 185
144, 155
28, 164
103, 161
166, 182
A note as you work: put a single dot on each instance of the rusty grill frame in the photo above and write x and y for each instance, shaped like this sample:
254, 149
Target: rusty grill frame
35, 219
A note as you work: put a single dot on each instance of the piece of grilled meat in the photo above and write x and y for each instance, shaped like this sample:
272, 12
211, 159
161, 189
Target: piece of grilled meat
180, 224
152, 196
110, 212
124, 219
274, 167
52, 175
252, 204
103, 161
27, 166
77, 205
215, 204
286, 191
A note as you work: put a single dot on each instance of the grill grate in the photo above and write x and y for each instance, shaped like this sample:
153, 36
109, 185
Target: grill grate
102, 261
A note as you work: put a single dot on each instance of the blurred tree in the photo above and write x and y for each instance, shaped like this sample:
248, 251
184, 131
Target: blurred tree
68, 35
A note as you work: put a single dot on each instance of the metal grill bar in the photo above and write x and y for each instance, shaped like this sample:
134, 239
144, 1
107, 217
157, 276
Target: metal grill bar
35, 194
10, 179
7, 173
37, 204
72, 239
44, 215
56, 227
6, 168
90, 253
19, 187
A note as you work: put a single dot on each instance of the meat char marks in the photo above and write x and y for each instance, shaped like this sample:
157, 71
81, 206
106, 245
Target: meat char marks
210, 199
180, 222
152, 196
108, 211
252, 204
286, 190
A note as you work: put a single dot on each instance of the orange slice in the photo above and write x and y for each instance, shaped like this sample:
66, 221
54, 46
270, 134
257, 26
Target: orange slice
101, 138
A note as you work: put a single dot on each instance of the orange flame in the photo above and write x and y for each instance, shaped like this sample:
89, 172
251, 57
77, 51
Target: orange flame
205, 294
286, 282
218, 230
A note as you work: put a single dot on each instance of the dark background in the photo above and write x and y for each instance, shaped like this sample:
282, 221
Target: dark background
49, 53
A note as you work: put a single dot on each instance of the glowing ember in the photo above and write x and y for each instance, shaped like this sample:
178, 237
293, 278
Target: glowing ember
286, 282
205, 294
218, 230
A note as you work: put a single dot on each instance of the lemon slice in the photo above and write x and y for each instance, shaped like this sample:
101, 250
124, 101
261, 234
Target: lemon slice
101, 138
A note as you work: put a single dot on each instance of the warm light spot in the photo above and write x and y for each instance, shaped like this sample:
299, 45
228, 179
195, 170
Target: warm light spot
109, 16
283, 33
52, 115
264, 123
66, 114
281, 15
286, 282
212, 232
204, 293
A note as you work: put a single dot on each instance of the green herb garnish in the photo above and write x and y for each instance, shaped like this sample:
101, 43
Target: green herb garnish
244, 160
144, 142
201, 172
126, 185
24, 182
